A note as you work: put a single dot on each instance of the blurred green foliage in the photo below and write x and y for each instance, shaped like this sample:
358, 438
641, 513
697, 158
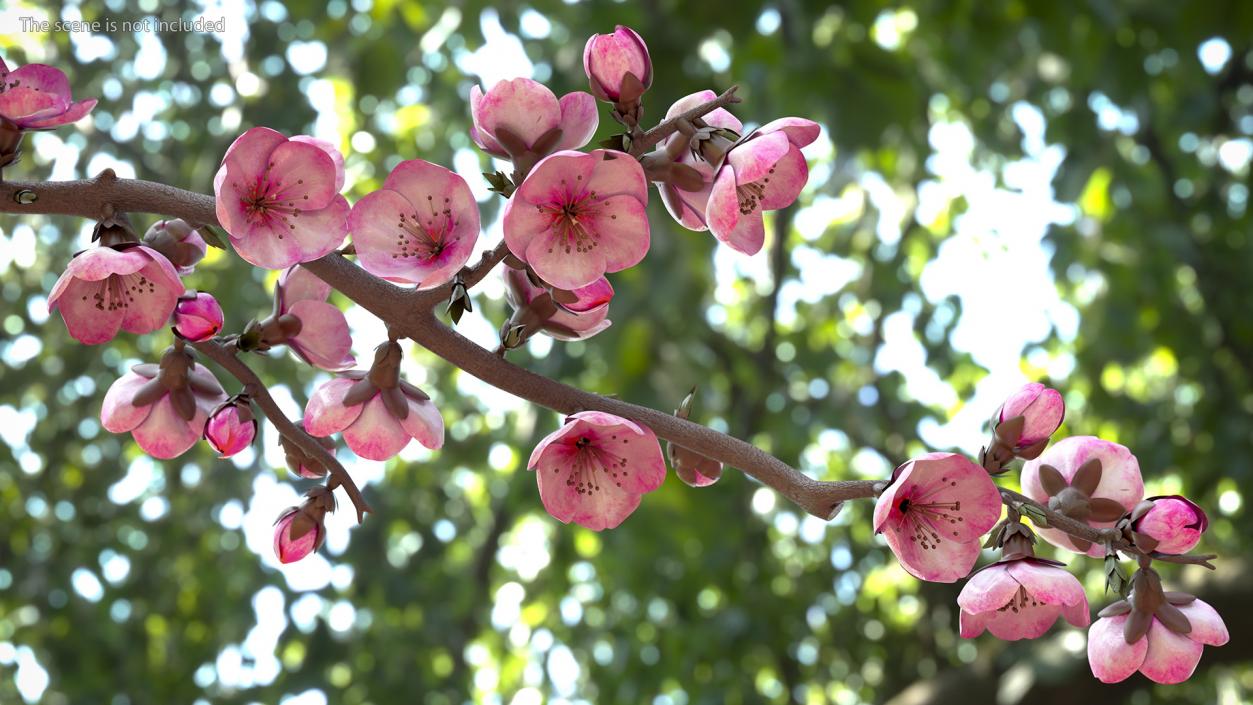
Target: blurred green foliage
722, 595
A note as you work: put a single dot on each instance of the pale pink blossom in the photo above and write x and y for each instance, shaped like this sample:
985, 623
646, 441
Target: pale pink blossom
1162, 654
197, 316
164, 406
1042, 410
595, 468
1020, 598
688, 207
581, 314
419, 228
608, 58
1087, 479
231, 426
578, 216
1173, 523
278, 198
764, 172
37, 97
323, 339
933, 513
377, 412
106, 288
181, 244
522, 118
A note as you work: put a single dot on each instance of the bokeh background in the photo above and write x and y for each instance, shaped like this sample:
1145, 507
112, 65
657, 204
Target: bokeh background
1003, 192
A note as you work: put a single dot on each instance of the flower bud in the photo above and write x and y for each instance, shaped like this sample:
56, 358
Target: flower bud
197, 317
181, 244
1174, 523
297, 533
1041, 408
299, 462
231, 427
608, 60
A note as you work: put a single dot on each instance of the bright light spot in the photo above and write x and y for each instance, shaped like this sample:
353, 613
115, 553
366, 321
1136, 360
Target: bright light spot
306, 57
764, 500
1214, 54
362, 142
714, 54
248, 84
534, 25
1229, 502
1234, 155
87, 584
342, 616
501, 57
563, 670
31, 678
768, 21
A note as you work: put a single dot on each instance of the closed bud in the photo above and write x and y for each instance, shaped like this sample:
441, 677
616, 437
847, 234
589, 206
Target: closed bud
197, 316
181, 244
300, 531
1173, 524
299, 462
231, 426
1041, 408
608, 60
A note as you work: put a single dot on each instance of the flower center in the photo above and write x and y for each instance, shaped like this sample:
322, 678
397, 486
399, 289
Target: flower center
264, 203
119, 291
570, 220
594, 463
426, 238
927, 519
1020, 602
752, 194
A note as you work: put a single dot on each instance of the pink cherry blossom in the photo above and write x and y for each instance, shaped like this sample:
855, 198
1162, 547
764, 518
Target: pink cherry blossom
1087, 479
578, 216
377, 413
1163, 655
608, 58
106, 288
324, 339
181, 244
419, 228
37, 97
688, 207
197, 317
765, 172
1020, 599
524, 115
278, 198
164, 406
1042, 410
231, 427
934, 512
583, 315
595, 468
1175, 523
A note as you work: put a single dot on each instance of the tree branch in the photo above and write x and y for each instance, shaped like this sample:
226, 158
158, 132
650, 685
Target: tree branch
668, 127
225, 356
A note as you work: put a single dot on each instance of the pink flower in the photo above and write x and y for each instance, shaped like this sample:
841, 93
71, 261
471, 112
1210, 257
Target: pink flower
1087, 479
164, 406
419, 228
933, 513
520, 118
1020, 599
124, 286
765, 172
578, 216
197, 316
37, 97
1173, 524
609, 58
278, 198
593, 470
1042, 410
299, 531
376, 411
688, 207
181, 244
231, 426
581, 315
323, 339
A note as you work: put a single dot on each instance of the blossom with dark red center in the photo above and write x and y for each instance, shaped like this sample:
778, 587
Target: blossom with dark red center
564, 315
933, 513
231, 426
1088, 480
278, 198
578, 216
420, 228
299, 531
595, 468
164, 406
1168, 524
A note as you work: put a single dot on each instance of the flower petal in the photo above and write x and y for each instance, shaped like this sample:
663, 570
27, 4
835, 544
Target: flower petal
971, 625
424, 423
557, 264
1207, 626
616, 173
1048, 584
1111, 658
522, 106
304, 174
325, 413
1171, 658
785, 181
988, 590
87, 318
941, 562
165, 434
799, 131
1022, 620
74, 113
579, 120
567, 501
324, 339
117, 413
376, 434
622, 232
752, 160
299, 284
278, 244
153, 293
336, 157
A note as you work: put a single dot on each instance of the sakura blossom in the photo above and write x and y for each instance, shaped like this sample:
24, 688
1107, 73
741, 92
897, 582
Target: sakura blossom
278, 198
578, 216
1087, 479
609, 58
164, 407
37, 97
197, 316
764, 172
110, 287
419, 228
595, 468
1021, 598
521, 119
231, 426
377, 413
322, 338
1041, 408
688, 207
933, 513
580, 313
1172, 524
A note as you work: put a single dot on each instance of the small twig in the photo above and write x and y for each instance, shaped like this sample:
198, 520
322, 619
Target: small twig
470, 276
668, 127
224, 355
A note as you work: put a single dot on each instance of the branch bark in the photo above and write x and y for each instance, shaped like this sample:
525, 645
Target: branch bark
668, 127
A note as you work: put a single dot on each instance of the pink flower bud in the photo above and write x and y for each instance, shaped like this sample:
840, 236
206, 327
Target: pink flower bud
179, 242
197, 317
231, 427
297, 534
1041, 408
1175, 522
608, 58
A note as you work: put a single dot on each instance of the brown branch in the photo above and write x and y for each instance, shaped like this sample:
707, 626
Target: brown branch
1080, 530
225, 356
470, 276
668, 127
